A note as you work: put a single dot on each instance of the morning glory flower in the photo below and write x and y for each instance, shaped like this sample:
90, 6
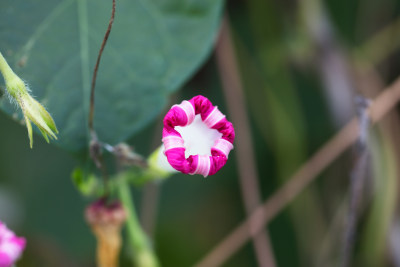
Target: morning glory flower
197, 137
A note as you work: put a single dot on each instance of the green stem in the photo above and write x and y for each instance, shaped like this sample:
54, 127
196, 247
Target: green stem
143, 254
6, 70
14, 85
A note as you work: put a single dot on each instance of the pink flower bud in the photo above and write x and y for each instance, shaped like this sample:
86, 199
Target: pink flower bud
11, 246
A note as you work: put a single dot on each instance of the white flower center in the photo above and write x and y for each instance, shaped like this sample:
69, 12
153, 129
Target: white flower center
199, 139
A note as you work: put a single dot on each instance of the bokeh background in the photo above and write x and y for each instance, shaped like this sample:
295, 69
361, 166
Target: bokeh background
300, 65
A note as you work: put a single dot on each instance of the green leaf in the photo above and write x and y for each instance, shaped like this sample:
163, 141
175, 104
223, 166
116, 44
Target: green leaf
154, 47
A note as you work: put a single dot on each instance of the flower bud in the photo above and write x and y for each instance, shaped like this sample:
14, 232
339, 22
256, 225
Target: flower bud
106, 221
32, 110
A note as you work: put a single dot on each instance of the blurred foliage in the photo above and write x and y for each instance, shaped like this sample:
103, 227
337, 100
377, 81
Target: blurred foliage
289, 113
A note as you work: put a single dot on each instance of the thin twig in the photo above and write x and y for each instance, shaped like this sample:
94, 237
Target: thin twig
308, 172
95, 146
96, 68
232, 86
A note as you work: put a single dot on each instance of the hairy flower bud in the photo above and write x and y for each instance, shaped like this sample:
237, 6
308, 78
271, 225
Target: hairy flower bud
32, 110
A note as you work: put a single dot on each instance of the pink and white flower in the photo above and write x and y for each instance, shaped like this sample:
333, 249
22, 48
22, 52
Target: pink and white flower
11, 246
197, 137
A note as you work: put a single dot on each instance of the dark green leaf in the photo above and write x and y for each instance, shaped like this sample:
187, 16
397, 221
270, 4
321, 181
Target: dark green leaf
153, 48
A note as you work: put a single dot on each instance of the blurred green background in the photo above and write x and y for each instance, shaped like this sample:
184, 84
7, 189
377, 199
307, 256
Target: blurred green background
300, 63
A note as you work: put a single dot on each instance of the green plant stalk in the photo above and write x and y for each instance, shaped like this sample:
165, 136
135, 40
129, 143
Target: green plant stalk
374, 239
6, 70
143, 253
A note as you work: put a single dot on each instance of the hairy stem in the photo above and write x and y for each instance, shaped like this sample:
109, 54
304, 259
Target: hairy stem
5, 69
